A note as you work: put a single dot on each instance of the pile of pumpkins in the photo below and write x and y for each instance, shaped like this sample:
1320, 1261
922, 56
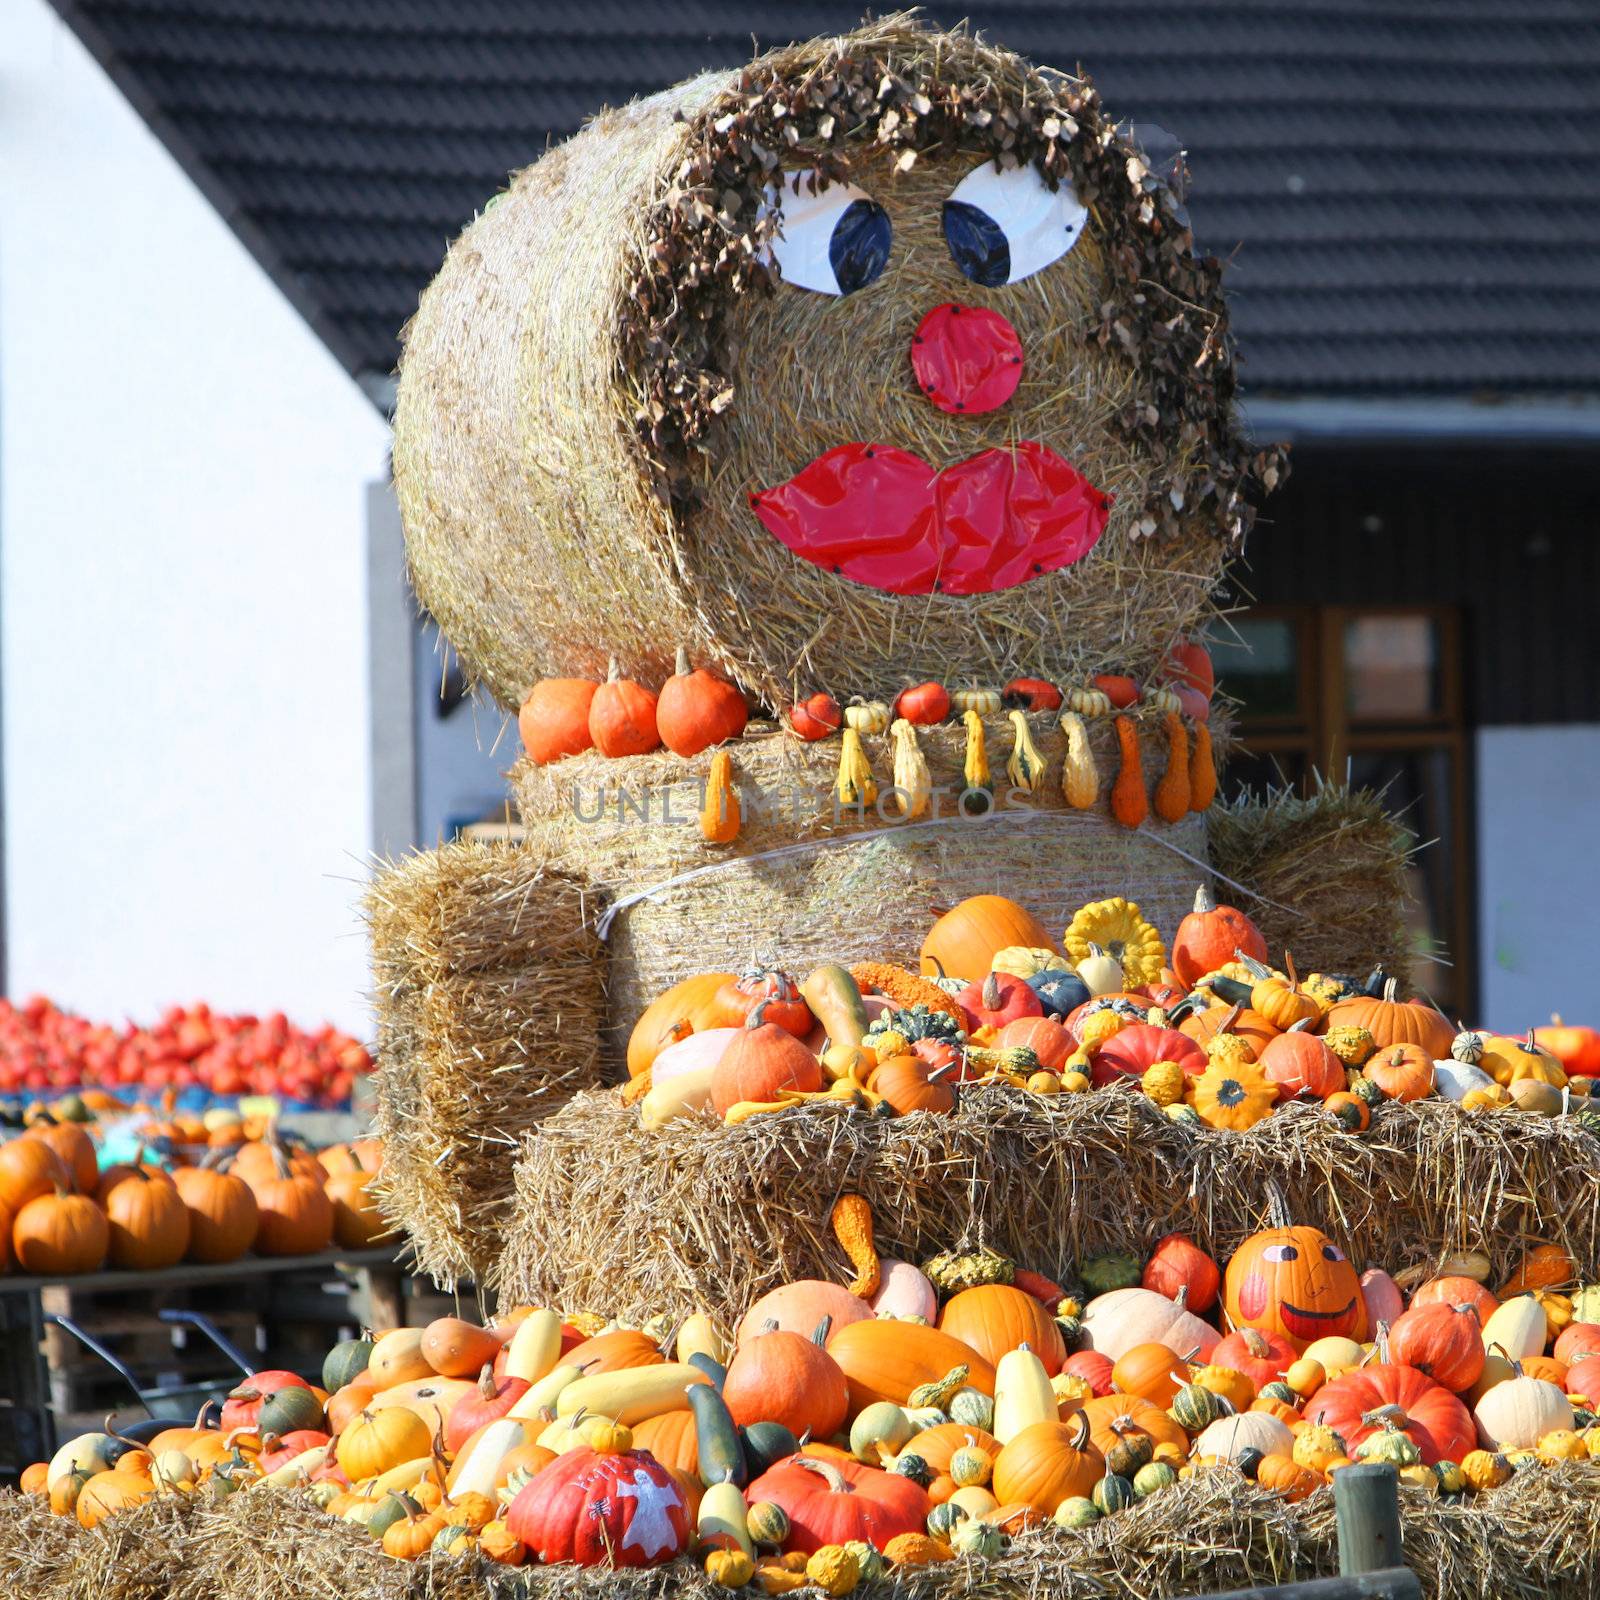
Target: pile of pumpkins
61, 1214
1209, 1030
917, 1414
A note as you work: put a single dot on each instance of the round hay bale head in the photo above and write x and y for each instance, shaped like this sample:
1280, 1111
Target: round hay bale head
635, 410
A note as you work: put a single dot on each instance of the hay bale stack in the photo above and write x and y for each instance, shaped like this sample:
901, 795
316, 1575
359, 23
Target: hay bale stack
38, 1551
807, 882
613, 1218
1331, 871
607, 368
489, 1002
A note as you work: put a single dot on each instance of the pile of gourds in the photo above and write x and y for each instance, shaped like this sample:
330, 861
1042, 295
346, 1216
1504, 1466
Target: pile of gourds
915, 1415
1209, 1031
62, 1215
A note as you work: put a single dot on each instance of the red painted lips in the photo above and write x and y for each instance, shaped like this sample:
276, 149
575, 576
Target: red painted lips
883, 517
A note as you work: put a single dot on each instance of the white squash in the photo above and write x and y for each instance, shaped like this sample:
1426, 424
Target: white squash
1101, 973
1455, 1080
1022, 1394
703, 1049
1586, 1303
903, 1292
681, 1096
722, 1512
478, 1470
1516, 1414
1114, 1323
1229, 1437
535, 1347
296, 1471
88, 1452
699, 1337
632, 1394
1518, 1326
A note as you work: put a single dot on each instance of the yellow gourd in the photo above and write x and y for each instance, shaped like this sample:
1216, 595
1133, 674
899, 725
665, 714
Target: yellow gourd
866, 716
1022, 1394
975, 770
721, 815
535, 1347
834, 1570
983, 701
855, 785
1080, 777
910, 769
721, 1519
1163, 1082
1025, 767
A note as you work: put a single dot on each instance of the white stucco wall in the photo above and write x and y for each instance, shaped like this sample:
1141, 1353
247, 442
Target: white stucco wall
1538, 874
183, 469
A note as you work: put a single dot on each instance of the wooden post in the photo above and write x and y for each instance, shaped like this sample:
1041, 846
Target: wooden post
386, 1298
1366, 1500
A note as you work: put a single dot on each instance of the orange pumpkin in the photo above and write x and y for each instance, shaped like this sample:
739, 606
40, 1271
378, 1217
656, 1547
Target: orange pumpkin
1403, 1071
35, 1478
1149, 1371
1301, 1064
937, 1444
698, 709
694, 1001
431, 1399
1455, 1291
1444, 1341
884, 1360
610, 1352
148, 1222
1208, 937
671, 1437
1284, 1475
1248, 1025
761, 1061
360, 1155
72, 1143
57, 1235
554, 719
996, 1318
1392, 1021
908, 1084
1297, 1282
786, 1378
1046, 1463
29, 1168
458, 1349
1352, 1112
107, 1493
1116, 1416
223, 1215
295, 1215
358, 1224
1049, 1040
622, 717
965, 940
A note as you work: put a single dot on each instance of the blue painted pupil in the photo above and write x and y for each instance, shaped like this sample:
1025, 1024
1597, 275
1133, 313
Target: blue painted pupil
858, 251
977, 243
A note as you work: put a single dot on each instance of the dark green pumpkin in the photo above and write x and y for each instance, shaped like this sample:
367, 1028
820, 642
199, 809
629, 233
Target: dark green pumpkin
345, 1362
289, 1410
1365, 1089
1249, 1460
910, 1465
942, 1520
1131, 1451
765, 1444
1059, 992
1281, 1391
1112, 1493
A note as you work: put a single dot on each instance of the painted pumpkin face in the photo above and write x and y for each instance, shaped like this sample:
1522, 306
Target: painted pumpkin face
1296, 1282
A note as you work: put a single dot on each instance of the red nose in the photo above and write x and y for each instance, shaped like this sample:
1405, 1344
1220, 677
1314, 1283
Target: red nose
967, 358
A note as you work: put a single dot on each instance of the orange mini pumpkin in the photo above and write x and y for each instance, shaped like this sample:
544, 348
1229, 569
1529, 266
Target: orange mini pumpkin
1403, 1071
1297, 1282
622, 717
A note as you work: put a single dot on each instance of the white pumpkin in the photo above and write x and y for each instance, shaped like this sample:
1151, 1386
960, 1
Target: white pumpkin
903, 1292
1114, 1323
1456, 1079
703, 1049
1229, 1437
1101, 973
1518, 1326
1586, 1303
1516, 1414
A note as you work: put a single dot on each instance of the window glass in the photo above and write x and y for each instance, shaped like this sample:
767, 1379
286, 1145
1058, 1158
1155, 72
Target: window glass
1391, 668
1261, 667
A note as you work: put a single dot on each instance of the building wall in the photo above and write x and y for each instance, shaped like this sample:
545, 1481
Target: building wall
183, 471
1538, 873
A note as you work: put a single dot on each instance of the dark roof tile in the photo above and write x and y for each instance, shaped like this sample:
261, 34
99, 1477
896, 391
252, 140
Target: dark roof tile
1406, 192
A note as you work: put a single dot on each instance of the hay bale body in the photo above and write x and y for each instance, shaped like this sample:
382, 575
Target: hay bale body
614, 1218
489, 1003
599, 379
807, 881
1331, 871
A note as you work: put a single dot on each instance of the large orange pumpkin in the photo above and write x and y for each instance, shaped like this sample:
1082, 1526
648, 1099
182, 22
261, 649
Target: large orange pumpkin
72, 1143
609, 1352
554, 719
1455, 1291
965, 940
937, 1444
295, 1215
149, 1223
887, 1360
761, 1061
1248, 1025
996, 1318
58, 1234
1297, 1282
671, 1438
107, 1493
693, 1001
1115, 1416
1392, 1021
1046, 1463
1208, 938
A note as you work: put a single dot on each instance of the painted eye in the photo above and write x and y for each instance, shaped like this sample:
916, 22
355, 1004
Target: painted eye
1004, 225
1331, 1252
834, 241
1281, 1252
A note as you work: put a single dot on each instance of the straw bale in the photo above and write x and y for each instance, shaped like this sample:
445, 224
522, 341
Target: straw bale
37, 1550
489, 1000
613, 1218
599, 377
138, 1554
1336, 858
806, 882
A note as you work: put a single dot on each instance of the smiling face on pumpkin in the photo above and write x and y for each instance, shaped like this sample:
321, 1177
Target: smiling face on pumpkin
1296, 1282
